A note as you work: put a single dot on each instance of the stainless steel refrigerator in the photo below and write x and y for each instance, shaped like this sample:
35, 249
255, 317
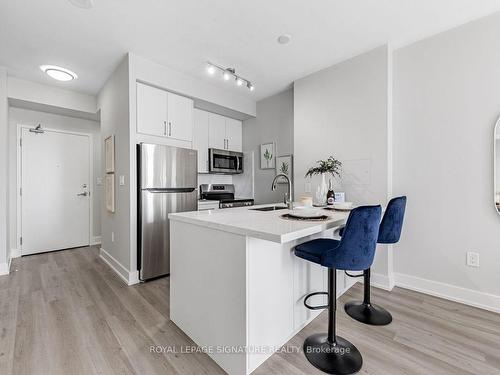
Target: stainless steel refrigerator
168, 178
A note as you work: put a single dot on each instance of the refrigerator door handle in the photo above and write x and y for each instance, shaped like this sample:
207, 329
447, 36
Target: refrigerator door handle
170, 190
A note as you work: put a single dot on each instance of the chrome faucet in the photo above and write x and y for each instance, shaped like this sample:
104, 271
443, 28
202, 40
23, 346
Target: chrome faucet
287, 198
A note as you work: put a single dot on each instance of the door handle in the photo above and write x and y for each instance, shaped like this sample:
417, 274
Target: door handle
227, 144
169, 129
84, 194
164, 128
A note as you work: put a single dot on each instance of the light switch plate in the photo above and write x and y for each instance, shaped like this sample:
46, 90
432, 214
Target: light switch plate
122, 180
472, 259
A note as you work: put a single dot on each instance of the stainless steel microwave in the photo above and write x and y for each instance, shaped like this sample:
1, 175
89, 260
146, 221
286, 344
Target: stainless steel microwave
223, 161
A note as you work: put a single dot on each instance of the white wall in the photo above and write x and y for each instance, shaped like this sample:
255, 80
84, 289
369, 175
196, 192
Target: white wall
446, 104
274, 123
343, 111
28, 91
113, 102
4, 209
163, 77
18, 116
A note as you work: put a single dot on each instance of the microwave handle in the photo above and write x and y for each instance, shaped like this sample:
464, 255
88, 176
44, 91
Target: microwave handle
237, 163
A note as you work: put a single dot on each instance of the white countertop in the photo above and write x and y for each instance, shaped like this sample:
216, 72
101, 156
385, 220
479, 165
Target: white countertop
266, 225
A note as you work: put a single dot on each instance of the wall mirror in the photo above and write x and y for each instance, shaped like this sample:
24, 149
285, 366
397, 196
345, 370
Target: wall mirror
496, 164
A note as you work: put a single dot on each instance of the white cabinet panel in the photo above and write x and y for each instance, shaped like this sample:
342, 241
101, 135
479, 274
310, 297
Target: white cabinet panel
180, 117
151, 110
234, 131
217, 131
200, 139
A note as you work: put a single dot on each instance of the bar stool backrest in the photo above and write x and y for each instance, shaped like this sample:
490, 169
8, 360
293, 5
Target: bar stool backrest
392, 222
356, 249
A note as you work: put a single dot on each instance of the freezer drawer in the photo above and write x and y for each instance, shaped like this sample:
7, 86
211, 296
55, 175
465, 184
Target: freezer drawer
155, 230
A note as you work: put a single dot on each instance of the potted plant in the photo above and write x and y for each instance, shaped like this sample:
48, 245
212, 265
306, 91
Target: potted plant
330, 165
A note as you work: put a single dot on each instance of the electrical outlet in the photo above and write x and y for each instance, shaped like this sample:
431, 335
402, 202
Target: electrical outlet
472, 259
112, 236
99, 181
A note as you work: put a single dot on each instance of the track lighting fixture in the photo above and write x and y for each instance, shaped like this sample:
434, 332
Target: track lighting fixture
227, 74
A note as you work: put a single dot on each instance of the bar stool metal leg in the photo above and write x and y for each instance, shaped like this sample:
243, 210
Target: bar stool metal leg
366, 312
328, 352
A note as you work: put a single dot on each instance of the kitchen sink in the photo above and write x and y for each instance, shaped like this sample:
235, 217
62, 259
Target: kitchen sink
270, 208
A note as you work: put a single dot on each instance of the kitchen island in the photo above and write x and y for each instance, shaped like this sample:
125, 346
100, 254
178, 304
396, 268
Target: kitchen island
236, 287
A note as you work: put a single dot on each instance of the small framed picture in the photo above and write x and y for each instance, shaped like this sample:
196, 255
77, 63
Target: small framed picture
110, 192
267, 157
284, 165
109, 152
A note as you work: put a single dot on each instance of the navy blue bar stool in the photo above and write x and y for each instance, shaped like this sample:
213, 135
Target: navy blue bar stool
355, 251
389, 233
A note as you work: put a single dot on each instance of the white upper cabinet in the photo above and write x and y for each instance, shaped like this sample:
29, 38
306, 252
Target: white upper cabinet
151, 110
164, 114
180, 117
224, 133
234, 131
200, 139
217, 133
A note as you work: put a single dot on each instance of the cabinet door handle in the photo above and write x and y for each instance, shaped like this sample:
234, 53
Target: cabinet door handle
169, 129
164, 128
227, 144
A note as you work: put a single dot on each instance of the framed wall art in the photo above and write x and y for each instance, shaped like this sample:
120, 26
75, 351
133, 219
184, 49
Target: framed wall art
267, 157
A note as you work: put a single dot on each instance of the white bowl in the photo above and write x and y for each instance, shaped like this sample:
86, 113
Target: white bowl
304, 211
343, 205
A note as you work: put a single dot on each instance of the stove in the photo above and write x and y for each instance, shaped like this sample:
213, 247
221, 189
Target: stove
224, 193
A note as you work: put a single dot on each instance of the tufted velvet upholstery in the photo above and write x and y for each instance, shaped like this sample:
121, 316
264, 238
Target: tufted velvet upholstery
355, 250
392, 222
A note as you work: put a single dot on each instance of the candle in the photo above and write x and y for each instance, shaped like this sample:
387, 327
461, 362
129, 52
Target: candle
306, 201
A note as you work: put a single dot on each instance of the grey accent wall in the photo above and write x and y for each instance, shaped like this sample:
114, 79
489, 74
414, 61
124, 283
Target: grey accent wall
447, 91
274, 123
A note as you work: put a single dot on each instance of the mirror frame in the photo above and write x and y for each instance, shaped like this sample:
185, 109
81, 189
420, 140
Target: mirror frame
495, 183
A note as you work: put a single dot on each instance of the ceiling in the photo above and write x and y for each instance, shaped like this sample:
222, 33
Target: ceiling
183, 34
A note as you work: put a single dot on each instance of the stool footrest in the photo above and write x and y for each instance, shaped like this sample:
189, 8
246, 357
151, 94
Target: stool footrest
321, 307
351, 275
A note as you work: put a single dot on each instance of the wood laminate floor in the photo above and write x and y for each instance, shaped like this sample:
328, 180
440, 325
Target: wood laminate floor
68, 313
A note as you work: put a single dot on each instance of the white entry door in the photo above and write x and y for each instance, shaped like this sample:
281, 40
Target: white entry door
55, 191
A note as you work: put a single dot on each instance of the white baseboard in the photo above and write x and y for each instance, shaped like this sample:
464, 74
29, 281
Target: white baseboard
4, 268
133, 278
466, 296
15, 253
381, 281
130, 278
96, 240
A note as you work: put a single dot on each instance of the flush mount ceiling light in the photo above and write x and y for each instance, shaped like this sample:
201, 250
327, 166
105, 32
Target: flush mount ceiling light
227, 74
284, 39
56, 72
84, 4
